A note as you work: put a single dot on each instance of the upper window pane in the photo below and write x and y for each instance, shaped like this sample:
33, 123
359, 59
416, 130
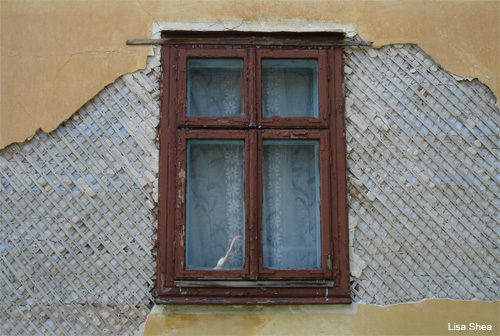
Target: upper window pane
215, 217
290, 88
215, 88
291, 220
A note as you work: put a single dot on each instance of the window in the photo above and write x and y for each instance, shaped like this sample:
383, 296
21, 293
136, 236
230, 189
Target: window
252, 202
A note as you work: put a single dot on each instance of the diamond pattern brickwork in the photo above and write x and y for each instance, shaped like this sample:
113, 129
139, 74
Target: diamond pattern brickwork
78, 212
424, 175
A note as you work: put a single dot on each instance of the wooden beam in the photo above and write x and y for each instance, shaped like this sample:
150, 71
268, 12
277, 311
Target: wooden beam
253, 41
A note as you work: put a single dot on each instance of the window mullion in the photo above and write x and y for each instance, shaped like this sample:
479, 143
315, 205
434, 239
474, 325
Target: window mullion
253, 206
253, 86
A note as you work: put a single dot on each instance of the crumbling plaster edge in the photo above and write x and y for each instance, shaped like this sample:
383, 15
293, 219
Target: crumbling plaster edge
239, 26
347, 309
157, 27
350, 309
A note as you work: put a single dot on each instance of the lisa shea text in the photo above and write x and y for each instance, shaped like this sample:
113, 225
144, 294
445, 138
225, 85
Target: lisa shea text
471, 326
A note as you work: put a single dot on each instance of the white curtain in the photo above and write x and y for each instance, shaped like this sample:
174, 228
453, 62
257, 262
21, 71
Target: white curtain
289, 88
291, 200
215, 206
291, 231
215, 222
215, 88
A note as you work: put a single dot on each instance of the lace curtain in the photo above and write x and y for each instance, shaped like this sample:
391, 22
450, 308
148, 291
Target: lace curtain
289, 88
215, 88
291, 232
215, 217
215, 222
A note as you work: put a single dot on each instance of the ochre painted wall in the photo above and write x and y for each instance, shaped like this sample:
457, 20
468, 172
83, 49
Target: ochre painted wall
431, 317
56, 55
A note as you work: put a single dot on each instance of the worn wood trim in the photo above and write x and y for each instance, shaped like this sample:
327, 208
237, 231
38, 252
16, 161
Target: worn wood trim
250, 295
249, 42
335, 241
339, 171
253, 207
249, 284
325, 222
186, 53
252, 81
320, 56
250, 292
252, 300
161, 235
180, 203
166, 183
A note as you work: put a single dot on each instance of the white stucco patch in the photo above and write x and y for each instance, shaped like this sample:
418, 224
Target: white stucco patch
264, 26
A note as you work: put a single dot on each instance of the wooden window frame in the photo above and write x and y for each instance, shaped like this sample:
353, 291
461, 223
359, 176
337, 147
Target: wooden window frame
198, 134
294, 53
197, 52
253, 285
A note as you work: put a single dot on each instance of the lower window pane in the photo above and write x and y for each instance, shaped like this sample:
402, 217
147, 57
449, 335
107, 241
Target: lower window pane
215, 216
291, 220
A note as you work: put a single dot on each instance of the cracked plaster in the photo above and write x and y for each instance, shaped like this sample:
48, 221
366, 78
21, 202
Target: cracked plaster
458, 34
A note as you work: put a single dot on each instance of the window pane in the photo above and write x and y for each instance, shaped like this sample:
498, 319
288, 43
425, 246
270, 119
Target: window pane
290, 88
215, 218
291, 221
215, 88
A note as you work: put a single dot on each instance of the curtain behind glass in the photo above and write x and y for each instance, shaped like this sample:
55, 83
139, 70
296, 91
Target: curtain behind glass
215, 205
215, 88
290, 88
291, 222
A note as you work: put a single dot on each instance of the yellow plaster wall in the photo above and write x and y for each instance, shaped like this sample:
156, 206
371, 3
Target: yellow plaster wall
56, 55
429, 317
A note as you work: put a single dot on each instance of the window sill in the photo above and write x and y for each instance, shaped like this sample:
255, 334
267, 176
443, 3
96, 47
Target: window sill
251, 284
265, 301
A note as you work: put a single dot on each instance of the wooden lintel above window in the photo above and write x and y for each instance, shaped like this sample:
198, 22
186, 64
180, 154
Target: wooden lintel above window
256, 39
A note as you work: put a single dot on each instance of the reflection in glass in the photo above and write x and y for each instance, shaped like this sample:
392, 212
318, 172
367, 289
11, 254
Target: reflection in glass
290, 88
215, 88
215, 216
291, 220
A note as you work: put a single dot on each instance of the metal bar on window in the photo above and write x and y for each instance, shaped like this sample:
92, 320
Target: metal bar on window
253, 41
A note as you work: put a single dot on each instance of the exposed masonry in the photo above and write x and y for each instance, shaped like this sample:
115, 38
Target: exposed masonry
78, 214
78, 205
424, 175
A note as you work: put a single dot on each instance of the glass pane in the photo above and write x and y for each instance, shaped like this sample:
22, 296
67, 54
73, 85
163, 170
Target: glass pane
290, 88
215, 216
215, 88
291, 221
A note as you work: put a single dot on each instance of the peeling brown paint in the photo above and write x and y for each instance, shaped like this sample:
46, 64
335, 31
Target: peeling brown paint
182, 175
180, 196
180, 191
162, 280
